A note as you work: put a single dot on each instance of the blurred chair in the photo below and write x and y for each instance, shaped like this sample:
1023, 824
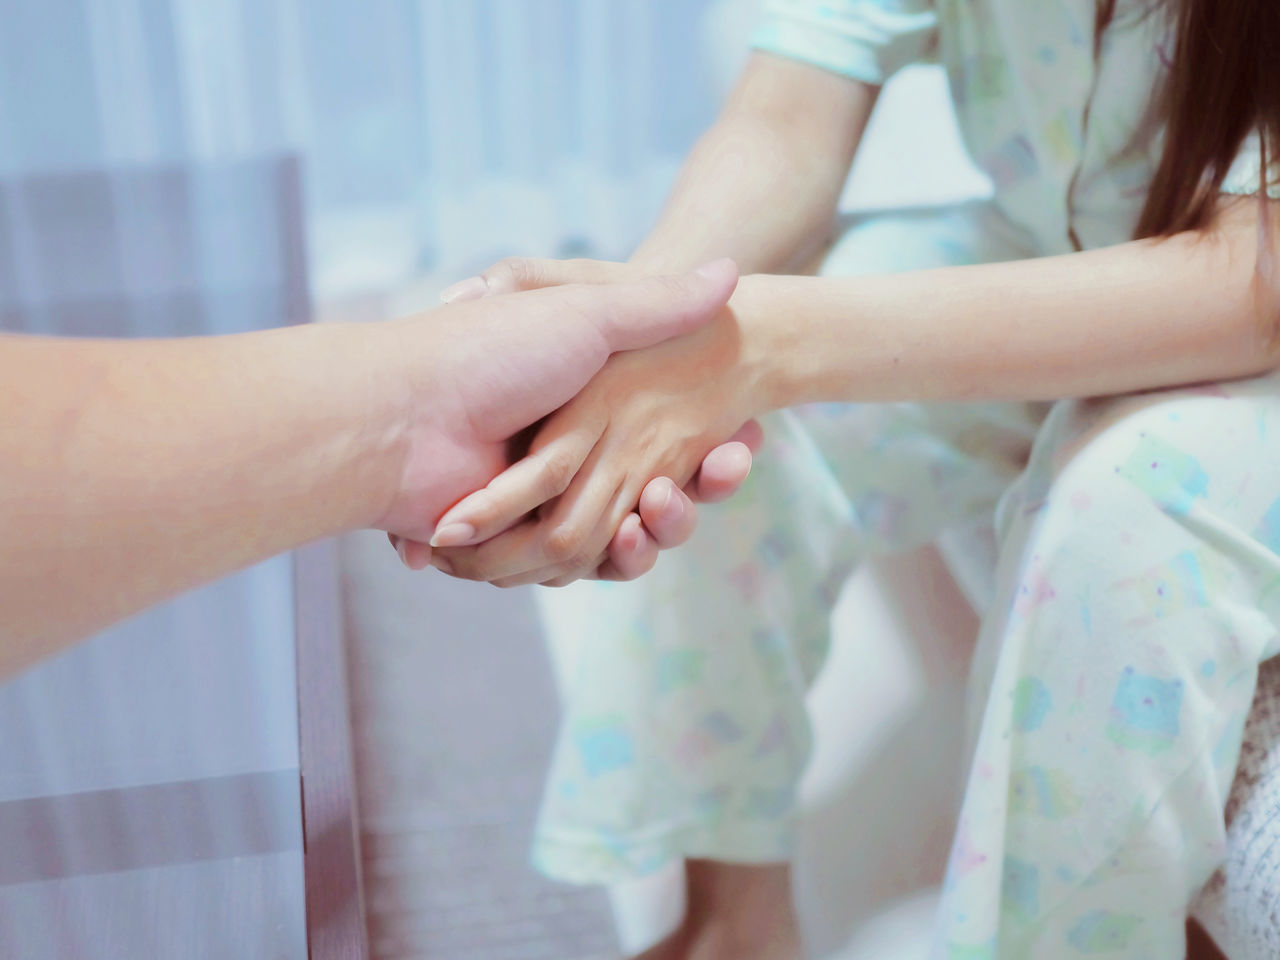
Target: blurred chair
149, 780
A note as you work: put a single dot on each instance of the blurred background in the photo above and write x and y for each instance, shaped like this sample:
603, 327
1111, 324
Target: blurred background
173, 167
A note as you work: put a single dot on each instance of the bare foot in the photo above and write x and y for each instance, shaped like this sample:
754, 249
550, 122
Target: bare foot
734, 912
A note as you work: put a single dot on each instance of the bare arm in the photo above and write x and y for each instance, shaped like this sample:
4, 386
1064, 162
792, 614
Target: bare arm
130, 470
762, 184
1136, 316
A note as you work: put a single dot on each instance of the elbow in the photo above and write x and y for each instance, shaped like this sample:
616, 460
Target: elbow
1264, 322
1261, 302
1252, 256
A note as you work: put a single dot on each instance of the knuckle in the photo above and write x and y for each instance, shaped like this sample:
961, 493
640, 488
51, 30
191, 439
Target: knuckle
515, 273
502, 274
460, 564
559, 467
461, 572
670, 286
564, 544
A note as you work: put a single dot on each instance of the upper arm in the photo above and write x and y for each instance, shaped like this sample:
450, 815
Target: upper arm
805, 105
818, 65
1250, 262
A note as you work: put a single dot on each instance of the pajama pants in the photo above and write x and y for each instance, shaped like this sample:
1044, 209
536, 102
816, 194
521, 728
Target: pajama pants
1135, 593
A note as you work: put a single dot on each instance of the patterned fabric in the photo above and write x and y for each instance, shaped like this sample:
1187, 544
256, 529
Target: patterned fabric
1062, 124
685, 730
1238, 906
1134, 599
1136, 588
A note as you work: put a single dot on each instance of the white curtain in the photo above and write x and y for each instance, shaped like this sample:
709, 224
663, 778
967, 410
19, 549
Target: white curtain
434, 134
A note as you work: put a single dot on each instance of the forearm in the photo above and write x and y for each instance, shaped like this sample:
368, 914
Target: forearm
762, 185
157, 465
1136, 316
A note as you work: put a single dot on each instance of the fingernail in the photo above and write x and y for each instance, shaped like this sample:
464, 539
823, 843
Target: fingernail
443, 565
453, 535
400, 550
666, 499
472, 288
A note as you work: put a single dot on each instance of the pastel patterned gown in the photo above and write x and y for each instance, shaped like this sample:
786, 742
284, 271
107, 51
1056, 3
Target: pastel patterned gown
1138, 581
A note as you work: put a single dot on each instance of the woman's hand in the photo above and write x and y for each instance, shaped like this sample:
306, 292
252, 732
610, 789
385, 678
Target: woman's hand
652, 413
665, 516
664, 519
466, 378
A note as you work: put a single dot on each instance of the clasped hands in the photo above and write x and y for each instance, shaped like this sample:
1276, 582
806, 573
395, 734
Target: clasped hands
611, 476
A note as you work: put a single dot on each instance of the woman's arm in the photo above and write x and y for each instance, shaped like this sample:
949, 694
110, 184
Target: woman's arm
1136, 316
762, 184
130, 470
1140, 315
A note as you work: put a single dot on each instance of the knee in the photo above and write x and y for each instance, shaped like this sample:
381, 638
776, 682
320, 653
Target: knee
1116, 448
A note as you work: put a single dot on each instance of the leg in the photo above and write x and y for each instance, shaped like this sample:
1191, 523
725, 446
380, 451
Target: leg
685, 730
734, 910
1137, 595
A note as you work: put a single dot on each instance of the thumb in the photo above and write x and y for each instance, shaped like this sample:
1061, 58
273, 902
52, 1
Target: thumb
640, 314
517, 274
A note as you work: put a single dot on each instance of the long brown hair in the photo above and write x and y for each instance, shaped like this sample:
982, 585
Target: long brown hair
1223, 83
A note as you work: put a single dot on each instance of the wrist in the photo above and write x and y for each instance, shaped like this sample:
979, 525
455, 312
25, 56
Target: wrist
770, 341
361, 394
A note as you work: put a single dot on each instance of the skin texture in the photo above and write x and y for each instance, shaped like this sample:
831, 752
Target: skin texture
761, 187
665, 516
131, 470
1135, 316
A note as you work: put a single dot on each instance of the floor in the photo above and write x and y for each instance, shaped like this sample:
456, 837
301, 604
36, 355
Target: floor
453, 714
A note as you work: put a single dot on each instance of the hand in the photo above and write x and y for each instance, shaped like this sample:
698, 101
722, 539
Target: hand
652, 413
477, 373
666, 516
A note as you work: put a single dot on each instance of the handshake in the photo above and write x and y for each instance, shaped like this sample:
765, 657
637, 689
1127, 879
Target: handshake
568, 418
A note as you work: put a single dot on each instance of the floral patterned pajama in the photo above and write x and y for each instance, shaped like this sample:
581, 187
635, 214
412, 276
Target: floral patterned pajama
1137, 585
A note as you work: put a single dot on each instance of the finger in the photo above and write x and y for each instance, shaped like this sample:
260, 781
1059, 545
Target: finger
525, 273
607, 571
668, 514
631, 316
576, 566
524, 486
472, 288
568, 333
632, 551
396, 546
515, 274
415, 554
592, 533
750, 433
723, 471
573, 536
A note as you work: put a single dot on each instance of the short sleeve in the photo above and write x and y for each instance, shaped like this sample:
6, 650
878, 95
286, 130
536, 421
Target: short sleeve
866, 40
1245, 175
